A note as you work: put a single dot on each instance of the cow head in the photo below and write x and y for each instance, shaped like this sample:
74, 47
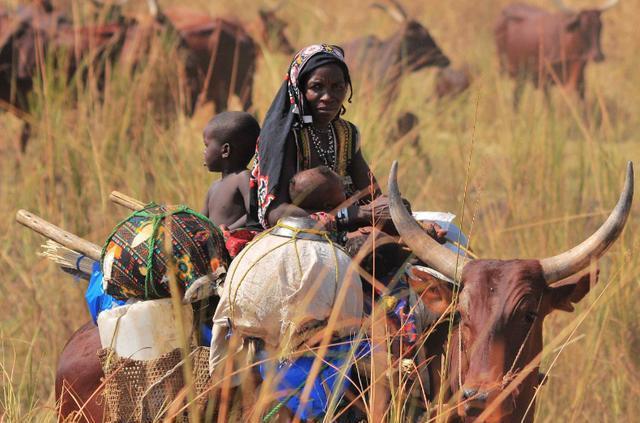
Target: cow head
413, 41
501, 305
272, 31
584, 27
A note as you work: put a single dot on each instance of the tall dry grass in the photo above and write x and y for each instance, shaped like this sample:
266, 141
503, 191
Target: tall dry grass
539, 181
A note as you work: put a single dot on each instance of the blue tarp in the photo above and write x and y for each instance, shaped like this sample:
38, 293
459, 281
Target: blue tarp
328, 384
97, 299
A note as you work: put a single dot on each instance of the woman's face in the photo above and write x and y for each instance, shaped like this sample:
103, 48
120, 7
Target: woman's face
325, 92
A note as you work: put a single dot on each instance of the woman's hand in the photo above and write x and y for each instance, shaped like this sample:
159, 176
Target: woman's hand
378, 209
435, 231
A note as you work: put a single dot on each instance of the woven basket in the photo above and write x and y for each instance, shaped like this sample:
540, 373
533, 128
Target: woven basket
143, 391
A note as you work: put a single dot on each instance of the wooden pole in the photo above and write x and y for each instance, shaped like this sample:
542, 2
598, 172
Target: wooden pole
57, 234
126, 201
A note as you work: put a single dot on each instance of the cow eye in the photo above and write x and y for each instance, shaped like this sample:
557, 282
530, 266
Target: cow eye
530, 316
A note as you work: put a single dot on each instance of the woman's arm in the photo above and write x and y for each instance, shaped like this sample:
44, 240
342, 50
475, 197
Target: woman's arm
367, 188
281, 205
362, 177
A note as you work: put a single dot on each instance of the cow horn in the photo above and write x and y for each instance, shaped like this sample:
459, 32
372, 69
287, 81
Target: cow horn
154, 10
100, 3
572, 261
423, 246
563, 7
400, 9
275, 8
608, 5
393, 13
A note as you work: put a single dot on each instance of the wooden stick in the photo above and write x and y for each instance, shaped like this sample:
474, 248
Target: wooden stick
57, 234
126, 201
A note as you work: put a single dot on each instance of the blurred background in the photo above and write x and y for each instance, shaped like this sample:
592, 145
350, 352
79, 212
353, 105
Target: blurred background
524, 184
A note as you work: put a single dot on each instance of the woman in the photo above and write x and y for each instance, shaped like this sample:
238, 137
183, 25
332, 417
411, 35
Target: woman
303, 130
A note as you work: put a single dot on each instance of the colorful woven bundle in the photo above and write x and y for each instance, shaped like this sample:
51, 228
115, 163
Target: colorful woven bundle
197, 247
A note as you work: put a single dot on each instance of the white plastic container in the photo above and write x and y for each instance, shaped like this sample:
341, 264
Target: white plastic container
143, 330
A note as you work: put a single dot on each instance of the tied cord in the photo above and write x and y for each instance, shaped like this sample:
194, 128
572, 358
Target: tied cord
232, 297
80, 257
156, 216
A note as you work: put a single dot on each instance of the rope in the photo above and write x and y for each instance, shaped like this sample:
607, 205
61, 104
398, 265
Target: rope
294, 239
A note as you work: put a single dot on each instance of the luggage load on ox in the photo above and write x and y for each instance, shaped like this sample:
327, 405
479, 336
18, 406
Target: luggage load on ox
149, 291
178, 321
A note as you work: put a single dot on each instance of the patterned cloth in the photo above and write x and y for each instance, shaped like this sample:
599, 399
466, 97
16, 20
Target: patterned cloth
131, 271
286, 121
235, 240
406, 321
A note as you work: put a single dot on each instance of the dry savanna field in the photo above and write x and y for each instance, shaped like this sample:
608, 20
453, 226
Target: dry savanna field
523, 184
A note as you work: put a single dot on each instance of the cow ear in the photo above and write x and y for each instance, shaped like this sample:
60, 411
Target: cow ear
563, 294
573, 24
436, 294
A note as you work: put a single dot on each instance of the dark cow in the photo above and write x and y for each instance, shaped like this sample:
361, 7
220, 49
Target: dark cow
382, 62
548, 47
501, 305
27, 36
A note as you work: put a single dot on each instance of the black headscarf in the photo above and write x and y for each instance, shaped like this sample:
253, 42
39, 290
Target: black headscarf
287, 110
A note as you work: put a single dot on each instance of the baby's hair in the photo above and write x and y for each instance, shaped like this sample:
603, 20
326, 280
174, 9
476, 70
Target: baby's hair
316, 188
239, 129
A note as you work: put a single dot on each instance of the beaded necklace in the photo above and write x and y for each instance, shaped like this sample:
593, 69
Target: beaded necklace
327, 155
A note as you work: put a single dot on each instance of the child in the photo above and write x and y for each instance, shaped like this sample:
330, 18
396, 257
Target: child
230, 142
317, 190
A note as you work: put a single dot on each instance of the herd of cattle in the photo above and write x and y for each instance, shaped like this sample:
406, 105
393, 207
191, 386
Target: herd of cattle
219, 55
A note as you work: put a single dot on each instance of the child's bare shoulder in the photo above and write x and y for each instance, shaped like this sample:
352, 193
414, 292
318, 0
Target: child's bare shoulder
241, 179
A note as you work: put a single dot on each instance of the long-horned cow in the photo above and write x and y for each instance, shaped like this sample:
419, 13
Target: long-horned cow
550, 48
382, 62
501, 305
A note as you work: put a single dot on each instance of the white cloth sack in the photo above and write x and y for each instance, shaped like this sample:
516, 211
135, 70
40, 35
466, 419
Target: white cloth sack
277, 287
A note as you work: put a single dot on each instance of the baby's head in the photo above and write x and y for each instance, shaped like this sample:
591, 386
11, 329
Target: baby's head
317, 189
230, 141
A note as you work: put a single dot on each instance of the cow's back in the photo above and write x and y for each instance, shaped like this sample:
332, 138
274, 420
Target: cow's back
221, 58
78, 377
520, 32
362, 54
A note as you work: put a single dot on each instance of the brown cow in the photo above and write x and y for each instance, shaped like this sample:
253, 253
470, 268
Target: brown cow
382, 62
502, 304
219, 54
548, 47
79, 377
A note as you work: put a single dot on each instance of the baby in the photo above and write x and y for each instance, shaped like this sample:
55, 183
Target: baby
230, 142
317, 190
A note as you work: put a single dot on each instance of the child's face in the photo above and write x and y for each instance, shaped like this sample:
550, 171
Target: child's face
213, 152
